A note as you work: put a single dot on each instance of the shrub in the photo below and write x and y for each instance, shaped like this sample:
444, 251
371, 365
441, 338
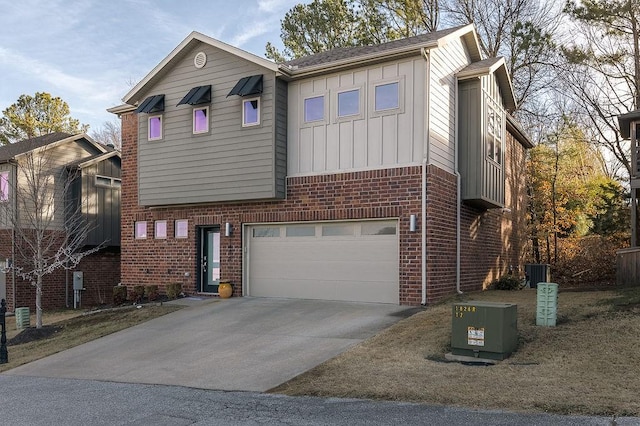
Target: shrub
138, 293
151, 291
119, 294
174, 290
507, 282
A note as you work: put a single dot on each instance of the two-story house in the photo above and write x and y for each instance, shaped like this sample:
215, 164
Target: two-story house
391, 173
74, 175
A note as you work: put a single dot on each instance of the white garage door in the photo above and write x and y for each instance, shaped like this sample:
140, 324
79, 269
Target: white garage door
351, 261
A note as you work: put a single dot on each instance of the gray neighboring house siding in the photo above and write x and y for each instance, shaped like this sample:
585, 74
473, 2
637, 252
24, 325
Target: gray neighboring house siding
228, 163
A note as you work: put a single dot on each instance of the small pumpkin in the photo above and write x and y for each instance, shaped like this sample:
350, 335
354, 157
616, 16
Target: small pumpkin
225, 290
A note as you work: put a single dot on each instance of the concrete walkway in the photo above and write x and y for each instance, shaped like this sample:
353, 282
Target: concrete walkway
234, 344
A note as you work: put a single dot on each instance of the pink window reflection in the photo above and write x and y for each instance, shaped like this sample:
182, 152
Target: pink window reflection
200, 120
155, 127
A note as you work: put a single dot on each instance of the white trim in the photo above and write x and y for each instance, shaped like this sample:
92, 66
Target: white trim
149, 138
193, 118
244, 122
401, 97
175, 56
325, 109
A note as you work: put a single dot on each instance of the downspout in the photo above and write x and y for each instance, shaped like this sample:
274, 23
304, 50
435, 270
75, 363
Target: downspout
423, 191
458, 189
13, 230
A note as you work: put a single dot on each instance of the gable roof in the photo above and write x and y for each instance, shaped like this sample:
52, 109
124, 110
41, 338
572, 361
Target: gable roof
94, 159
14, 150
497, 66
350, 56
178, 53
624, 121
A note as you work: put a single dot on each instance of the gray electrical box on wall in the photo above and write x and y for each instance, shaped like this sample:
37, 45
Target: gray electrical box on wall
78, 280
484, 329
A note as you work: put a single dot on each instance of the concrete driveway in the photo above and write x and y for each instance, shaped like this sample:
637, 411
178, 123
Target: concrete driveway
250, 344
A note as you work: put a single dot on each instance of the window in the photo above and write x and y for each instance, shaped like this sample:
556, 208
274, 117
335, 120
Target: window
201, 120
349, 103
250, 112
155, 127
314, 109
387, 96
108, 182
160, 231
301, 231
337, 230
266, 231
140, 231
4, 186
181, 228
378, 228
494, 133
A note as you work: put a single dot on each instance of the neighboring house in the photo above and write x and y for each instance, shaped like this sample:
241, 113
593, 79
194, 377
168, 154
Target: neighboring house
628, 259
334, 176
91, 172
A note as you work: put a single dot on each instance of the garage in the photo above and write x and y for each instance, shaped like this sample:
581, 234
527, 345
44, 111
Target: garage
349, 261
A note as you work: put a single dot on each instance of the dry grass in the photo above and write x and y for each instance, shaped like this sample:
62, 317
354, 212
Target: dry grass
73, 328
588, 364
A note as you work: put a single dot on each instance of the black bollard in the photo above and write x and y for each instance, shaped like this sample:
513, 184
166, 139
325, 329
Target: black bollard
4, 355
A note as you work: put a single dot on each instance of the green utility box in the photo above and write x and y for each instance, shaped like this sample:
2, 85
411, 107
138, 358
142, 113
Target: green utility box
547, 304
22, 318
484, 329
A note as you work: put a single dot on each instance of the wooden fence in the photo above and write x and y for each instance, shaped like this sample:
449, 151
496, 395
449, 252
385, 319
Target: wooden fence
628, 267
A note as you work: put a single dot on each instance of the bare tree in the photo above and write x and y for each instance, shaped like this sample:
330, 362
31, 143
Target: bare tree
109, 134
520, 30
48, 225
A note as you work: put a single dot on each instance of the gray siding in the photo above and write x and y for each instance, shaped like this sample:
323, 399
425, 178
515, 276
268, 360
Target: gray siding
482, 179
230, 163
100, 204
281, 101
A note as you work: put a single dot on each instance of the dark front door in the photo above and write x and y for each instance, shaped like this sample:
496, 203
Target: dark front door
209, 259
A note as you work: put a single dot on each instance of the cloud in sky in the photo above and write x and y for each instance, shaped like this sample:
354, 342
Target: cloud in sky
89, 52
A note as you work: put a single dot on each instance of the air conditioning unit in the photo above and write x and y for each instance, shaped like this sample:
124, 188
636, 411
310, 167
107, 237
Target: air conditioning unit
484, 329
537, 273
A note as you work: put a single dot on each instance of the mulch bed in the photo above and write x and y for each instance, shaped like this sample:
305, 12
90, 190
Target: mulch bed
30, 334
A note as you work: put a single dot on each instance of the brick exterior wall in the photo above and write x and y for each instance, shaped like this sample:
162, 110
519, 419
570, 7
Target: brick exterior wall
388, 193
101, 272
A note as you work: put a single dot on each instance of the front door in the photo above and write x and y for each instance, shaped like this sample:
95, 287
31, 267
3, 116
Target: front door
209, 259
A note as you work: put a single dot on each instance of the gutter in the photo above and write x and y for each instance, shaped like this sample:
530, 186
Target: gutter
423, 191
458, 190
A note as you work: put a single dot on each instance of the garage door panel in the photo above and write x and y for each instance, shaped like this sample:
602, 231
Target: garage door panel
351, 268
362, 291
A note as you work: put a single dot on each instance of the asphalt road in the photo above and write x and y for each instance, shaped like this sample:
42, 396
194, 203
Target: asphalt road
38, 401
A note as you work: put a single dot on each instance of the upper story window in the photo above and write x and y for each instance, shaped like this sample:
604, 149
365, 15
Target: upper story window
201, 120
387, 96
314, 109
155, 127
494, 133
250, 112
108, 182
349, 103
4, 186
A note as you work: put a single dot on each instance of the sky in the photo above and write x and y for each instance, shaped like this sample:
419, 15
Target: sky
91, 53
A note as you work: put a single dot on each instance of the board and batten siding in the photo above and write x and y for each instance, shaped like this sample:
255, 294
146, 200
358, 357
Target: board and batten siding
445, 62
228, 163
368, 140
101, 204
